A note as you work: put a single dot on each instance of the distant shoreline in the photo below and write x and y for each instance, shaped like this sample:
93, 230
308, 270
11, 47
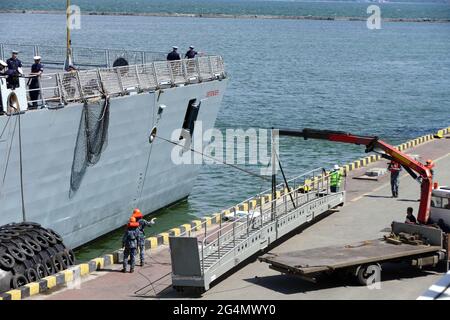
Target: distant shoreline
227, 16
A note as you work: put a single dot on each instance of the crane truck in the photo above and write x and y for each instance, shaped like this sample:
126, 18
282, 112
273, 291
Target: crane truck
420, 245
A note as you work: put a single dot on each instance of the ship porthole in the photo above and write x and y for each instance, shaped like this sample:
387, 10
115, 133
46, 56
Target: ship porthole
152, 135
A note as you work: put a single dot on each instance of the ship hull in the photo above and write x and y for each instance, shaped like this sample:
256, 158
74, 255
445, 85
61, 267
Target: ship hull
131, 171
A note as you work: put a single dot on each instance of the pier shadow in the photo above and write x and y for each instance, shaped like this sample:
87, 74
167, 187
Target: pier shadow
407, 200
289, 284
375, 196
170, 293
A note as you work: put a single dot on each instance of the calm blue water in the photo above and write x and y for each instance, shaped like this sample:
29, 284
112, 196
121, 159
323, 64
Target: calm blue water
438, 10
392, 82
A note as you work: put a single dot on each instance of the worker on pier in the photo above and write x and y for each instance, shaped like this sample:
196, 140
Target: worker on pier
137, 214
430, 165
173, 55
33, 83
410, 219
129, 243
395, 168
335, 179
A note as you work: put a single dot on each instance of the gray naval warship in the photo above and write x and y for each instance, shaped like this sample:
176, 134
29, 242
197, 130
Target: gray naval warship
89, 154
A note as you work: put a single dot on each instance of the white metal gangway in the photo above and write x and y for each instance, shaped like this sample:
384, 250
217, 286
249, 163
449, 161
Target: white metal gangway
198, 262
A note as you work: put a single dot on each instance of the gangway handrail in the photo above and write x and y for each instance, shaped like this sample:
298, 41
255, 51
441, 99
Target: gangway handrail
307, 176
203, 225
276, 220
246, 222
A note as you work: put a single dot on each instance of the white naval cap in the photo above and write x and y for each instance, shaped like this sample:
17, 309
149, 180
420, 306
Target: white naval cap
192, 47
175, 47
37, 57
3, 63
15, 52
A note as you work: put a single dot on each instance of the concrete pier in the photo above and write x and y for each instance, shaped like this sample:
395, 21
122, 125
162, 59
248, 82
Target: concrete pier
367, 214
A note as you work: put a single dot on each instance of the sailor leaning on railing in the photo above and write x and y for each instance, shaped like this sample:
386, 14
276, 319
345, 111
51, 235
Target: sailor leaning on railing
12, 70
33, 82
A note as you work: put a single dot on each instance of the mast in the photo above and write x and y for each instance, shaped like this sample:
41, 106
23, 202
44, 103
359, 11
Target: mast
68, 40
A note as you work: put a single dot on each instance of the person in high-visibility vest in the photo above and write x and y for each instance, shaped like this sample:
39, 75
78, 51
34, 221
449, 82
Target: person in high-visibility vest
335, 179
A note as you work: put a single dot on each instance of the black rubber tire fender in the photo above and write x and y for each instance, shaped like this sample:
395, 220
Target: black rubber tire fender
4, 237
18, 280
26, 249
10, 233
17, 254
41, 270
30, 225
32, 275
51, 251
49, 266
71, 255
59, 247
58, 262
55, 234
7, 261
41, 241
48, 236
66, 259
33, 245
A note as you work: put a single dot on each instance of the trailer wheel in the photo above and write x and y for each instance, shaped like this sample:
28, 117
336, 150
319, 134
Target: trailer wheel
368, 274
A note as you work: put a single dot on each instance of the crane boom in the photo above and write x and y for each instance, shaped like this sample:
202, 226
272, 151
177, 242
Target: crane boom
372, 143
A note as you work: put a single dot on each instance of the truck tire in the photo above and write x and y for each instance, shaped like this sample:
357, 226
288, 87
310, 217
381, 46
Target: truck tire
368, 274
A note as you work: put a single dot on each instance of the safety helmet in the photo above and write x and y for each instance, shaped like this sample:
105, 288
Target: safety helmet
429, 163
132, 223
3, 63
336, 167
137, 213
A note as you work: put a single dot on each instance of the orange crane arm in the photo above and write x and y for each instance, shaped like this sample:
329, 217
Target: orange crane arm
372, 143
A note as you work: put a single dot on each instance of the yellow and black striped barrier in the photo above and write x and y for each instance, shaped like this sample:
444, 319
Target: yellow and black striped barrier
59, 279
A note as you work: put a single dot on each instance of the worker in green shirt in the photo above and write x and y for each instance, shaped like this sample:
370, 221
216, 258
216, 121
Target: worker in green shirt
335, 179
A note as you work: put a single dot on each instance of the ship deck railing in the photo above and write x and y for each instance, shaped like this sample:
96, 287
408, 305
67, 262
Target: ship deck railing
145, 71
82, 57
78, 86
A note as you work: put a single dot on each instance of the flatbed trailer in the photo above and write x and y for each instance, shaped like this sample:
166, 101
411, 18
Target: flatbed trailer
363, 260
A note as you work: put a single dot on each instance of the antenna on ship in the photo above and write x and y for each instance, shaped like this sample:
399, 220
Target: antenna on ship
68, 61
